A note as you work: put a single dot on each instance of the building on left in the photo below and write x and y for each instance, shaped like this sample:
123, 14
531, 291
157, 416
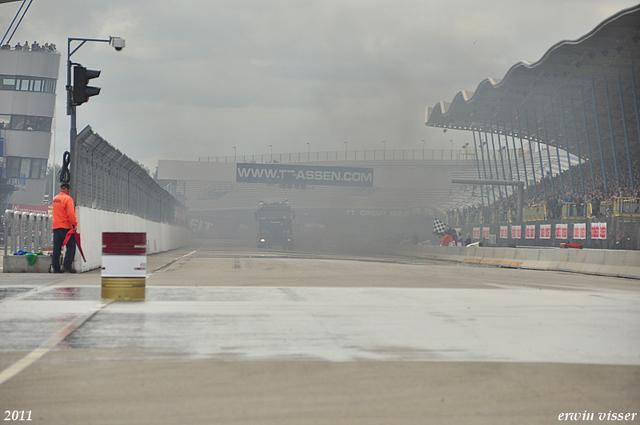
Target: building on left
28, 80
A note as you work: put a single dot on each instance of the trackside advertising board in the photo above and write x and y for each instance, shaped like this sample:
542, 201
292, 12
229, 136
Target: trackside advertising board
304, 175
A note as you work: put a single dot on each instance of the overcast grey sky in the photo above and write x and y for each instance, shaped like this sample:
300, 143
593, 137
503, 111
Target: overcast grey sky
199, 77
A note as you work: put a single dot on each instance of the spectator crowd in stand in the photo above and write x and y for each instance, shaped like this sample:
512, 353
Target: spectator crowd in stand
553, 188
35, 46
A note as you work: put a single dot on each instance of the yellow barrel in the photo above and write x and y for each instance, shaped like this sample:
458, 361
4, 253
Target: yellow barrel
124, 265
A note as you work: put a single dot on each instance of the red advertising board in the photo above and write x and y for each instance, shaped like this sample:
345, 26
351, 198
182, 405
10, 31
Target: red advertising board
530, 231
545, 231
561, 231
579, 231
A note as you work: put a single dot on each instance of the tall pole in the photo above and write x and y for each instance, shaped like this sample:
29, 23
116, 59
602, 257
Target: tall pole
118, 44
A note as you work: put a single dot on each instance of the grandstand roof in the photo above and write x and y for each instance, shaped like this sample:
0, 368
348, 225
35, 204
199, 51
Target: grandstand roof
557, 93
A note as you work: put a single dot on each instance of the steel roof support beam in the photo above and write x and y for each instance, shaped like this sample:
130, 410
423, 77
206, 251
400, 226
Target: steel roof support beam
595, 107
566, 142
613, 144
524, 161
575, 129
626, 136
635, 101
555, 138
515, 150
495, 160
533, 168
544, 184
500, 183
475, 145
586, 135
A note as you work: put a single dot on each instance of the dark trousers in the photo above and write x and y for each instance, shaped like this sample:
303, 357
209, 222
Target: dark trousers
58, 239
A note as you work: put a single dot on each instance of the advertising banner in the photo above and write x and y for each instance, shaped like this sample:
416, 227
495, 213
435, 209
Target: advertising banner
516, 232
486, 231
545, 231
561, 231
302, 175
476, 233
579, 231
530, 231
504, 232
598, 230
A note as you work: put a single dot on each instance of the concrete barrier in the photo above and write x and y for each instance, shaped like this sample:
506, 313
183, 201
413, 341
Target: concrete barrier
473, 255
508, 258
458, 253
593, 261
612, 263
559, 258
631, 266
528, 257
575, 260
20, 264
587, 261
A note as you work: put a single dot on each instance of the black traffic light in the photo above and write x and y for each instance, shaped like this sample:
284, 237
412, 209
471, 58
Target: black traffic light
81, 77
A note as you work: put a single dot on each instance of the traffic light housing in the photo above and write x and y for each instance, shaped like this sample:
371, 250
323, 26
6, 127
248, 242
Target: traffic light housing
81, 91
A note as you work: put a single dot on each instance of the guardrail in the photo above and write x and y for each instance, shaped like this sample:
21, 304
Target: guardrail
26, 231
626, 207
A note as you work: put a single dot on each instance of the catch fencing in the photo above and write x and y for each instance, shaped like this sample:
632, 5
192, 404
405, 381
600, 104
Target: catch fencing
104, 178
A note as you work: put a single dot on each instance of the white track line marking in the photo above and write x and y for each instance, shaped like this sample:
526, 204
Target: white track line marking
43, 349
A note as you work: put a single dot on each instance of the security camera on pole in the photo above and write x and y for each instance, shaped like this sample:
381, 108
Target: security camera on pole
78, 94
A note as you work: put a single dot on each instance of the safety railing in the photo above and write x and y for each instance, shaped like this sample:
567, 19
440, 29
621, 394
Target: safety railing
537, 213
26, 232
626, 207
349, 155
606, 209
574, 210
474, 218
500, 216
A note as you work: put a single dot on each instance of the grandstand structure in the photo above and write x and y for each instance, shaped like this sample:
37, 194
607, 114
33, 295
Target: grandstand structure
581, 97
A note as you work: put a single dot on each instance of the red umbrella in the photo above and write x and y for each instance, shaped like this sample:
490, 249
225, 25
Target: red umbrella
77, 235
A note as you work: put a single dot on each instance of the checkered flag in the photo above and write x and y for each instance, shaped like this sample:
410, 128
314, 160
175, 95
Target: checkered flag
439, 227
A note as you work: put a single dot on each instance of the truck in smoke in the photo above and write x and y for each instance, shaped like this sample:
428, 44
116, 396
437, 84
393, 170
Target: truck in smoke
275, 224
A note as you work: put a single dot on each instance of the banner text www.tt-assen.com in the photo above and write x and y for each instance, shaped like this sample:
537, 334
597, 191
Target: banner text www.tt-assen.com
304, 174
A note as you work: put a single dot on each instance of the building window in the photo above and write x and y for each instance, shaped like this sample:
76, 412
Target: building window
26, 168
29, 123
23, 83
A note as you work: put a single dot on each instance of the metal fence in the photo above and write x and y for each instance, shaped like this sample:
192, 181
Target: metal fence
26, 231
106, 179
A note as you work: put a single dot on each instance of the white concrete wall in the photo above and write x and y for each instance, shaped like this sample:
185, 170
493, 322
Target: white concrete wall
92, 223
604, 262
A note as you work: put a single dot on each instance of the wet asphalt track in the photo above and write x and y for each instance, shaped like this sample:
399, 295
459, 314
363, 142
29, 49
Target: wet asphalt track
208, 305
